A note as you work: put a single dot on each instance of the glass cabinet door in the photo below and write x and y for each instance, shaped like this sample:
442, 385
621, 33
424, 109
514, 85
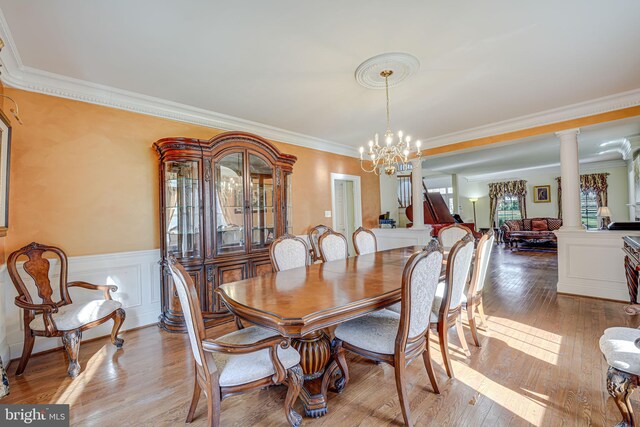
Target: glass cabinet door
182, 208
229, 199
262, 207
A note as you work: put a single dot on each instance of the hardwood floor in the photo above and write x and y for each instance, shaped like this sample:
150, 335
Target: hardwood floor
539, 365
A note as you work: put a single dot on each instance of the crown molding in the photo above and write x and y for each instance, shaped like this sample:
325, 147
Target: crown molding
550, 169
19, 76
605, 104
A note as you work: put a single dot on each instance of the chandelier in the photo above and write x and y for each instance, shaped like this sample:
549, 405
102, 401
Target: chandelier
393, 153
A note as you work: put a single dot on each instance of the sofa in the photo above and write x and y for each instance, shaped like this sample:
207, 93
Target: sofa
530, 230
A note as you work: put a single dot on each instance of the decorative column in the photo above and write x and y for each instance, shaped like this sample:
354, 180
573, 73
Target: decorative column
417, 194
570, 173
456, 196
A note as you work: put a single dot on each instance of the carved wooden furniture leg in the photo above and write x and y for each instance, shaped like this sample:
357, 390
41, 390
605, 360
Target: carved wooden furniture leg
213, 405
471, 317
71, 341
294, 383
480, 307
443, 337
463, 340
426, 356
315, 354
401, 385
341, 361
194, 400
27, 348
120, 315
620, 385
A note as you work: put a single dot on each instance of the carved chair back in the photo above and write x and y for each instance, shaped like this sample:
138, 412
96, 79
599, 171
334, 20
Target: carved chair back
458, 266
364, 241
188, 297
333, 246
37, 267
419, 283
289, 252
451, 234
314, 239
483, 254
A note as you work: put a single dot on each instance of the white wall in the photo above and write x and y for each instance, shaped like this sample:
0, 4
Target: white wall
137, 275
617, 193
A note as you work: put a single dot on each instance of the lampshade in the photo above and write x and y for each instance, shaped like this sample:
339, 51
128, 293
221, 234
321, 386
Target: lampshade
473, 200
604, 211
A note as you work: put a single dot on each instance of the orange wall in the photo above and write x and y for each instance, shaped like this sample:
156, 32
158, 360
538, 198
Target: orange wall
85, 177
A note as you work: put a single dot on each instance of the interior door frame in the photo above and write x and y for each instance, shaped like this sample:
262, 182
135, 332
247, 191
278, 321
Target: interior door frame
357, 196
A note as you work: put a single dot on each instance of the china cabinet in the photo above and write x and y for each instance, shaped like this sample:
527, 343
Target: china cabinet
222, 202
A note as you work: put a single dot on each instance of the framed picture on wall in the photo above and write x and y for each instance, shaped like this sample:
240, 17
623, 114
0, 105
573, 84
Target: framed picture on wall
542, 194
5, 151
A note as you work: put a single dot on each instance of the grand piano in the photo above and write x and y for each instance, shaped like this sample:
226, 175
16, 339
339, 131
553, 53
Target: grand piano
436, 213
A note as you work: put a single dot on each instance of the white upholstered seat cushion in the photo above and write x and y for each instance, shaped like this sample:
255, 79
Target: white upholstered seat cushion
374, 332
76, 315
433, 318
437, 302
236, 369
619, 348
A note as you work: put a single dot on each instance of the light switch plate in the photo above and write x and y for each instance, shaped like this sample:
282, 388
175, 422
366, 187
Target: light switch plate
327, 214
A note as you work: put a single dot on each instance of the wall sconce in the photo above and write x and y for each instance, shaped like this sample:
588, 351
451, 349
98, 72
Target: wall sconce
14, 111
473, 201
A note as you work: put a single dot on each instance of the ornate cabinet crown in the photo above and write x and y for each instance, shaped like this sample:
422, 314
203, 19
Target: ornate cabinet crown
222, 202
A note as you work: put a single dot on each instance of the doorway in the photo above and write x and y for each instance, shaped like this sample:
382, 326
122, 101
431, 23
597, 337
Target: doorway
346, 205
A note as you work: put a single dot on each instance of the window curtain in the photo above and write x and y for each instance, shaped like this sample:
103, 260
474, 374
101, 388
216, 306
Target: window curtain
497, 190
596, 182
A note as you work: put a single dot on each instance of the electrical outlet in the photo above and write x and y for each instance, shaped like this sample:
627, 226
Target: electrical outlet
327, 214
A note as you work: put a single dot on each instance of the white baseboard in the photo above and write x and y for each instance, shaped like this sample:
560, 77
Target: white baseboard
594, 292
137, 275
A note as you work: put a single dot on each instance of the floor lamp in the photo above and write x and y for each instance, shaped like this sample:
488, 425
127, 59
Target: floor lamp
473, 201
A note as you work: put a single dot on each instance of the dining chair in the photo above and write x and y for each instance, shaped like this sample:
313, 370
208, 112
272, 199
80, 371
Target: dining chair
287, 252
451, 234
238, 362
447, 304
333, 246
62, 318
314, 239
364, 241
397, 338
473, 300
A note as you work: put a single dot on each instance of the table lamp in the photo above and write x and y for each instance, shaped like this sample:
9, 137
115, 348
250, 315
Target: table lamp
605, 217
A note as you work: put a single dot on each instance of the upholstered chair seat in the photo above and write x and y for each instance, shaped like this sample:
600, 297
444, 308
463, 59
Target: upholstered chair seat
374, 332
236, 369
620, 349
70, 317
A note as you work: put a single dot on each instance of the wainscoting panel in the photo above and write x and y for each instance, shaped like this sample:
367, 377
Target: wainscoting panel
137, 275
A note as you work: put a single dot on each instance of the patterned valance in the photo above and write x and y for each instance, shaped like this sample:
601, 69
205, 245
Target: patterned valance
511, 188
596, 182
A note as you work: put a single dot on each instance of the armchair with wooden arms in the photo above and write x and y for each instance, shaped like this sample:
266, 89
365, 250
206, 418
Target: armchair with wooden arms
62, 318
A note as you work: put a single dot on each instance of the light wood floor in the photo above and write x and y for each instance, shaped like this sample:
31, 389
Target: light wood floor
539, 365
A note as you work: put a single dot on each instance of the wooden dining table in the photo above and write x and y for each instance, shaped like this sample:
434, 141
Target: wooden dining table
302, 302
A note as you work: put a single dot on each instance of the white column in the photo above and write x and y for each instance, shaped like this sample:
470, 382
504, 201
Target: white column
456, 194
417, 194
570, 174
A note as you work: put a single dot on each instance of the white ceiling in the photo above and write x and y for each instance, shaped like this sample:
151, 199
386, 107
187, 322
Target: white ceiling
536, 153
291, 64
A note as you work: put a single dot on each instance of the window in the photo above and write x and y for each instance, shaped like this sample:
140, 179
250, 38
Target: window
404, 190
447, 195
589, 209
508, 208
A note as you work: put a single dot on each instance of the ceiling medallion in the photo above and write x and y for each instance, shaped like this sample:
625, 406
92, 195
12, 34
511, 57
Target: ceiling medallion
368, 74
393, 154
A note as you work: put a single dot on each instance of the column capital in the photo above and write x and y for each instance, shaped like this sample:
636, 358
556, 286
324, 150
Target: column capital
417, 161
575, 131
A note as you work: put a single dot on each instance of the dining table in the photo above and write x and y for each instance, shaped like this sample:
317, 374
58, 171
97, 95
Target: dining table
301, 303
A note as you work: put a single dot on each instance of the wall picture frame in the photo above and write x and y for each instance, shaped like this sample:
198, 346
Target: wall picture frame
542, 194
5, 154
